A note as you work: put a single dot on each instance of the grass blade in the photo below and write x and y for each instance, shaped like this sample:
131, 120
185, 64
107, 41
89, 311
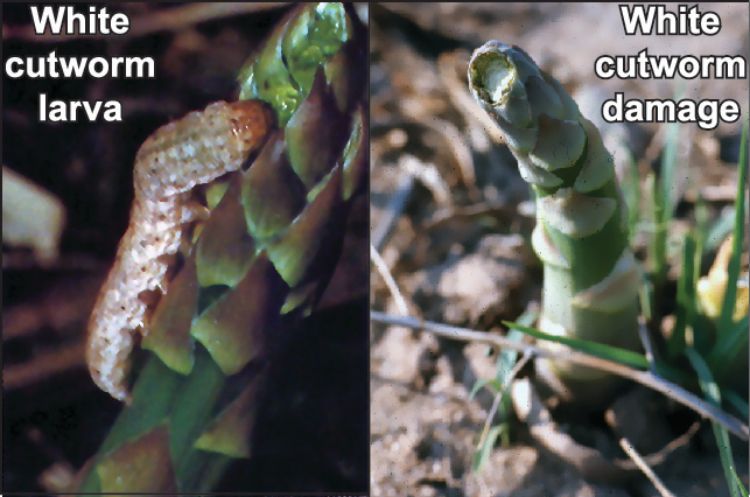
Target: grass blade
742, 488
740, 404
631, 188
685, 299
720, 228
658, 249
733, 271
727, 330
508, 357
481, 455
601, 350
504, 367
490, 383
664, 203
668, 168
730, 342
713, 394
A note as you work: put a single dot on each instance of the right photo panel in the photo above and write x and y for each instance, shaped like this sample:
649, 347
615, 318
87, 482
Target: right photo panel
559, 249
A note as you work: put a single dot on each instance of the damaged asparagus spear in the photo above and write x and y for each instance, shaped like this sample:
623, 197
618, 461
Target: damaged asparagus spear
591, 278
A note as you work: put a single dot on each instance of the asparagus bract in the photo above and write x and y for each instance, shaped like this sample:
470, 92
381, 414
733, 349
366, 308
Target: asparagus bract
590, 276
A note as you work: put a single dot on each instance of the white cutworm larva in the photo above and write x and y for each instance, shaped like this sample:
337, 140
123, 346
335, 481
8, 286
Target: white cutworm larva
177, 157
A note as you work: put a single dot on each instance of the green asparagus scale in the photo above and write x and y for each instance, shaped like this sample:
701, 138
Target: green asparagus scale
590, 276
257, 264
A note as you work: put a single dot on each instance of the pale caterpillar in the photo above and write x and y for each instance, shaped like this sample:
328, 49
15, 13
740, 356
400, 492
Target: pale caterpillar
177, 157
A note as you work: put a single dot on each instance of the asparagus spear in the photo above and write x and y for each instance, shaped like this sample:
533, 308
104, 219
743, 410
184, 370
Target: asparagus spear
258, 263
590, 276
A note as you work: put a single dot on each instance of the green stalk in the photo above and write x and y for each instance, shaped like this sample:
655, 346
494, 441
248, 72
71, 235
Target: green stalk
732, 336
255, 267
685, 299
591, 278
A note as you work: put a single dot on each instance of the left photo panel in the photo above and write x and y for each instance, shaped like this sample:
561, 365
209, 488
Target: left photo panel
185, 248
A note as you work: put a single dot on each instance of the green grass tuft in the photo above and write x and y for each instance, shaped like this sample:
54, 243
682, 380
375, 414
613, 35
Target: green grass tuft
713, 394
